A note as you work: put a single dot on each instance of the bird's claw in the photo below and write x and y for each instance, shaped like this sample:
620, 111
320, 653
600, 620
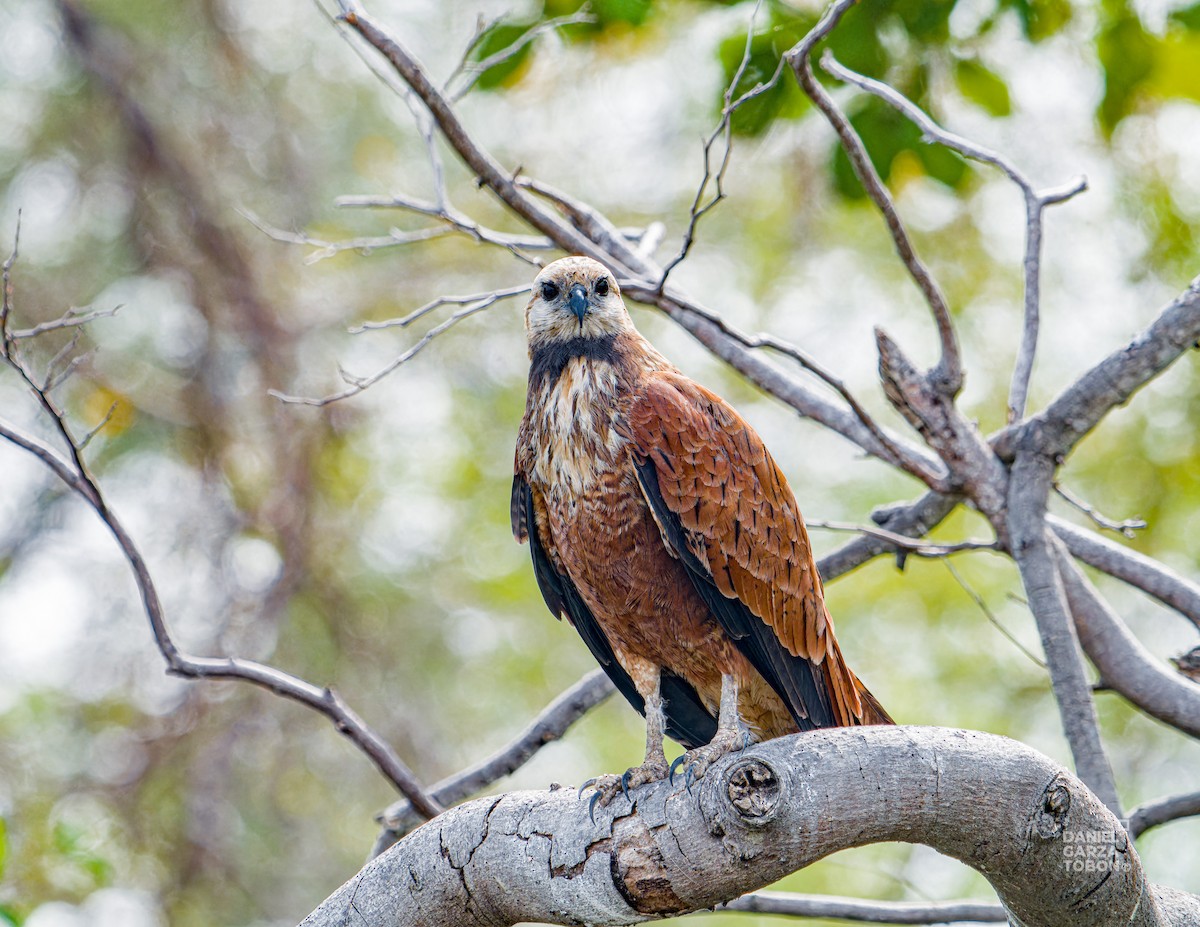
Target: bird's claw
675, 764
592, 806
625, 785
587, 785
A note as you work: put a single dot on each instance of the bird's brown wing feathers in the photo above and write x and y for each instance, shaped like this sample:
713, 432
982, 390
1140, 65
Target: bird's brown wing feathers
686, 718
728, 513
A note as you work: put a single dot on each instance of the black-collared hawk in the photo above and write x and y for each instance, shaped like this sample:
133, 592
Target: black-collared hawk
662, 529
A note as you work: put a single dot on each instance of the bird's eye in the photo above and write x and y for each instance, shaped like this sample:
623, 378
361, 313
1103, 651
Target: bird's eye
549, 291
602, 287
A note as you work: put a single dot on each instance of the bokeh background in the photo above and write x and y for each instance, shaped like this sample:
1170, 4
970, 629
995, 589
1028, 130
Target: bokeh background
366, 545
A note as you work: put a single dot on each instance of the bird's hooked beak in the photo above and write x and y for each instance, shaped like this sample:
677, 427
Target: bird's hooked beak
578, 303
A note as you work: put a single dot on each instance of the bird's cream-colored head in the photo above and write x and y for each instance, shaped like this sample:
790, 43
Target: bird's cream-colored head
574, 298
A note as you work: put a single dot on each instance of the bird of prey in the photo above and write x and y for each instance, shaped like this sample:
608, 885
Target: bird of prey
661, 528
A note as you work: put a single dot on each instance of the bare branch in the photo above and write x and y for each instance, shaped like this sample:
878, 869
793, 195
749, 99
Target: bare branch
768, 807
75, 473
1110, 383
1035, 204
947, 377
914, 519
1125, 665
358, 384
72, 318
1031, 549
904, 542
475, 300
1127, 527
1163, 811
550, 725
870, 912
991, 616
363, 245
471, 71
1131, 567
456, 221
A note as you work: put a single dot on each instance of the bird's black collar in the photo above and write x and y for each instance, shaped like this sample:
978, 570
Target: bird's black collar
550, 359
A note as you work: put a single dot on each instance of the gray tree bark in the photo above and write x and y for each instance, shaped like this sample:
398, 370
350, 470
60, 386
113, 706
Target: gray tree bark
1052, 850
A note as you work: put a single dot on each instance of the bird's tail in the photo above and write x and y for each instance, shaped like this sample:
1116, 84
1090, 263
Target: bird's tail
872, 711
852, 702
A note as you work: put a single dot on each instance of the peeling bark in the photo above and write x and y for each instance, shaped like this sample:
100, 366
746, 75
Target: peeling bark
1054, 853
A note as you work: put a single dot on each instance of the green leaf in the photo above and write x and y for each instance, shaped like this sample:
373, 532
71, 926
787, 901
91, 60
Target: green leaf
1041, 19
3, 845
607, 12
495, 40
783, 99
982, 87
1188, 17
1127, 54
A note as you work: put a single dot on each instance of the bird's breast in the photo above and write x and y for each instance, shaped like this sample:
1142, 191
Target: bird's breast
575, 443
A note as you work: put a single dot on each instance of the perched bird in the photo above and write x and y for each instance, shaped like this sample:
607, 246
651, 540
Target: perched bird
661, 528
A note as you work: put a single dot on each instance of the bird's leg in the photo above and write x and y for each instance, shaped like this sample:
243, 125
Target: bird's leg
646, 677
731, 735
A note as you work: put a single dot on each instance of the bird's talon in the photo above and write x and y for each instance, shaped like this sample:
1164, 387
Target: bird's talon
586, 785
689, 778
625, 785
592, 807
675, 764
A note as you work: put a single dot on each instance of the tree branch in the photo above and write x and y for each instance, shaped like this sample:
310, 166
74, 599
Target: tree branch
1035, 204
1124, 664
550, 725
1163, 811
1110, 383
1029, 487
1129, 566
947, 377
761, 814
868, 912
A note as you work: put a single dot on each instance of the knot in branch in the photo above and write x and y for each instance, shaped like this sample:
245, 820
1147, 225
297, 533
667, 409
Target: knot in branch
754, 791
1050, 818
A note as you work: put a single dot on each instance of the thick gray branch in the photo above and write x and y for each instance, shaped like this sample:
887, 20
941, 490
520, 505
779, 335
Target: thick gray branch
1049, 847
1129, 566
1082, 405
1124, 664
1029, 488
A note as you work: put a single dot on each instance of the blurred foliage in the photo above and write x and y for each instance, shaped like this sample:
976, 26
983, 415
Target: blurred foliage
366, 545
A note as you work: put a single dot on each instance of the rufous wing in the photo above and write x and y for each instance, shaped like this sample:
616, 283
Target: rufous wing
686, 718
726, 510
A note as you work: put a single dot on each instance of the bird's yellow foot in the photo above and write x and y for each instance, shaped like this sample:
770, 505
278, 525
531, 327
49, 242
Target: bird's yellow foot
696, 762
608, 786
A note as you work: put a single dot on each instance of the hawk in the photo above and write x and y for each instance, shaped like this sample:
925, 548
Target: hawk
663, 531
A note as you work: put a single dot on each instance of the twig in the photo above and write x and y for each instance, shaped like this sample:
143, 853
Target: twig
358, 384
475, 300
72, 318
870, 912
991, 616
913, 519
363, 245
1128, 527
550, 725
1035, 204
947, 377
473, 70
457, 221
1163, 811
903, 542
724, 132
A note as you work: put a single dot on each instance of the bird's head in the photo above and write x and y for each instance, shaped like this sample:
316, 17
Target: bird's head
575, 297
